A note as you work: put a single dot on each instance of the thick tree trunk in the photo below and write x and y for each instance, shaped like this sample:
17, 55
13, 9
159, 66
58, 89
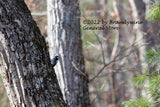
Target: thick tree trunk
64, 34
25, 66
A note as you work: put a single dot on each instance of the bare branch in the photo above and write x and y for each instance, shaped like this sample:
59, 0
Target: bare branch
115, 59
78, 69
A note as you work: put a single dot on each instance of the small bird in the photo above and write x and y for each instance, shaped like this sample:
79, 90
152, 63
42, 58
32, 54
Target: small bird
54, 60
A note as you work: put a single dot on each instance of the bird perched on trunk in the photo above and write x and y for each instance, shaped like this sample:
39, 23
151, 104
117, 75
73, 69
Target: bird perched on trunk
54, 60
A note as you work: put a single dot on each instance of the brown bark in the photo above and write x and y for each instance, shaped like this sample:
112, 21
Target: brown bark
64, 29
29, 79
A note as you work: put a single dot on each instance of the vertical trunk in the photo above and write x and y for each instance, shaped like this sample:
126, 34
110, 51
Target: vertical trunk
138, 13
123, 40
113, 54
126, 48
29, 79
65, 40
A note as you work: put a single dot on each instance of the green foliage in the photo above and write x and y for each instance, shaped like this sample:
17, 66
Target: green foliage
139, 80
153, 78
154, 12
139, 102
153, 84
152, 56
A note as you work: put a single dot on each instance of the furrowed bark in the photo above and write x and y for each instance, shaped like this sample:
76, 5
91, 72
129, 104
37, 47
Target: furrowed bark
25, 66
64, 39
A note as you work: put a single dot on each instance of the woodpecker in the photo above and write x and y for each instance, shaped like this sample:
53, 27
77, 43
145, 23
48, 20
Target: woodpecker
54, 60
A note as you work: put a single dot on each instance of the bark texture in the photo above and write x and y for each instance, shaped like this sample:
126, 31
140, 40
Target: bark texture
25, 66
64, 35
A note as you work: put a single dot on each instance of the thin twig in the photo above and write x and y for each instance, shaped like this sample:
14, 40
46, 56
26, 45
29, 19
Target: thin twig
101, 47
115, 59
78, 69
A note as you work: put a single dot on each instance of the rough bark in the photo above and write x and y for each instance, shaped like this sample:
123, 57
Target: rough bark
25, 66
64, 39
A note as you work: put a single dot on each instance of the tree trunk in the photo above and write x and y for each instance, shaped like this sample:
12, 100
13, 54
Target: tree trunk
64, 39
138, 13
25, 66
